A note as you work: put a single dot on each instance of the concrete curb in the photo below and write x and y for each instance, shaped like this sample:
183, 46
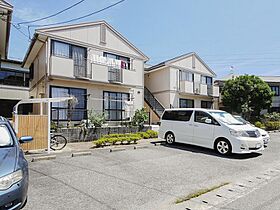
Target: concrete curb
77, 154
117, 149
275, 131
140, 147
40, 158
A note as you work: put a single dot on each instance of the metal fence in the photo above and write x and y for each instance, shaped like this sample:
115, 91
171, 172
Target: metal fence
78, 116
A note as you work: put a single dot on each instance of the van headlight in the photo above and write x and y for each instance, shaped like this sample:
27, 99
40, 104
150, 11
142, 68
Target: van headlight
7, 181
238, 133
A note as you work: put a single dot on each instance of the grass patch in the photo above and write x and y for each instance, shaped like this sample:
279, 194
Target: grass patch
199, 193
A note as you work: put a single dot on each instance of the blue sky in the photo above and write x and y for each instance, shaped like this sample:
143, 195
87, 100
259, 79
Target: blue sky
239, 33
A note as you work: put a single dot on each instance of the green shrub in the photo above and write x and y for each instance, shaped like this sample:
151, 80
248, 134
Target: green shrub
152, 134
271, 125
114, 138
97, 119
259, 124
140, 117
144, 135
272, 117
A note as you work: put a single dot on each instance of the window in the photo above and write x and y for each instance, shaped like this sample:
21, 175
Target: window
61, 111
177, 115
5, 136
61, 49
14, 78
206, 104
186, 76
200, 117
186, 103
114, 106
206, 80
275, 89
125, 62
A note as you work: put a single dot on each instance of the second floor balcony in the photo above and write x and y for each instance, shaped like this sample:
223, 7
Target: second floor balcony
199, 88
86, 69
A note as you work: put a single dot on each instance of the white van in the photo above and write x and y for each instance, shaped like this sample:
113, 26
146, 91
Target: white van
214, 129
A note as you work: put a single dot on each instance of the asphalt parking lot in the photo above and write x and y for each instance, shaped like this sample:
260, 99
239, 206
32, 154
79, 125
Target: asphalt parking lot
147, 178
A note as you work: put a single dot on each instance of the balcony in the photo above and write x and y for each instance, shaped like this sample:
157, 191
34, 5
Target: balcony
93, 71
199, 89
186, 87
82, 69
115, 75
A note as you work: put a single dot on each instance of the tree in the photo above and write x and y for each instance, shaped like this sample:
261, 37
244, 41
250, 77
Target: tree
247, 94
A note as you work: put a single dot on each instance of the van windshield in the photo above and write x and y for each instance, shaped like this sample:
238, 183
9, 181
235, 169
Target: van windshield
226, 118
5, 137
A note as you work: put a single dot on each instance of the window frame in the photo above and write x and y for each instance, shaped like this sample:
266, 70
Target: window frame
176, 118
181, 72
61, 56
276, 91
67, 108
206, 80
206, 104
185, 99
108, 110
19, 81
118, 57
214, 121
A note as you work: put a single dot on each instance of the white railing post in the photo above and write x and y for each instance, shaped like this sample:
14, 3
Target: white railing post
49, 127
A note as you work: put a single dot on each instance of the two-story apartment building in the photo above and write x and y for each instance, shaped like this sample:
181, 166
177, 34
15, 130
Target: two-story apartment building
272, 81
185, 81
14, 80
91, 61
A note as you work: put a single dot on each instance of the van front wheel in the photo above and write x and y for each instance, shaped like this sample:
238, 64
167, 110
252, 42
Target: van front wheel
170, 138
223, 146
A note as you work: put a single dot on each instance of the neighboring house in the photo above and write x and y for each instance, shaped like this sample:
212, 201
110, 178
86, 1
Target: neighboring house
185, 82
91, 61
14, 80
272, 81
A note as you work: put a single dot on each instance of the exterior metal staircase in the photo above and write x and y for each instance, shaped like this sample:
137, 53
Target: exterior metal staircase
154, 104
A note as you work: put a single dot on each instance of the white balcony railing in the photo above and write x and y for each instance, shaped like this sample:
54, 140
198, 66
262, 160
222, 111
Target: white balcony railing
82, 69
91, 70
199, 89
115, 75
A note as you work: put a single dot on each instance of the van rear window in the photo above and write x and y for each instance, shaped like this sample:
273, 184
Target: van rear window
177, 115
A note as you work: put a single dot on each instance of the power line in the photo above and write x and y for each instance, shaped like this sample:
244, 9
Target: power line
50, 16
78, 18
17, 28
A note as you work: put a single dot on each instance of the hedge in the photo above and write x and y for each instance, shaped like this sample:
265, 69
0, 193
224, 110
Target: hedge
112, 139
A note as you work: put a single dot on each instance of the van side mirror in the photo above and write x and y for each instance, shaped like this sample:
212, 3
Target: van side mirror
208, 121
25, 139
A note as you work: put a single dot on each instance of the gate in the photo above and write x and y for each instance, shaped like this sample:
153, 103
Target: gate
35, 126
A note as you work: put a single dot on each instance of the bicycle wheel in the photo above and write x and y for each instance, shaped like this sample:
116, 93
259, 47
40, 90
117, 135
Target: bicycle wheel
58, 142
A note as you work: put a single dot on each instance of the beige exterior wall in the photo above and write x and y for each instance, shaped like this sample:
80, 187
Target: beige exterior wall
158, 80
95, 100
60, 71
165, 84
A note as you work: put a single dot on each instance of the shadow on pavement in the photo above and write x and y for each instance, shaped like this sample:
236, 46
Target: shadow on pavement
202, 150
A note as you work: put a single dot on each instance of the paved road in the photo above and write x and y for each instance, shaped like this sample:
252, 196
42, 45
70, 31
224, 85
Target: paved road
264, 198
150, 178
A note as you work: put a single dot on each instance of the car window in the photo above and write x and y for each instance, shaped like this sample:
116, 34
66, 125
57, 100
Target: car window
200, 117
184, 115
5, 136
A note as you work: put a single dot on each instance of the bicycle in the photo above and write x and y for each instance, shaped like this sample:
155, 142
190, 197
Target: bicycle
58, 142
